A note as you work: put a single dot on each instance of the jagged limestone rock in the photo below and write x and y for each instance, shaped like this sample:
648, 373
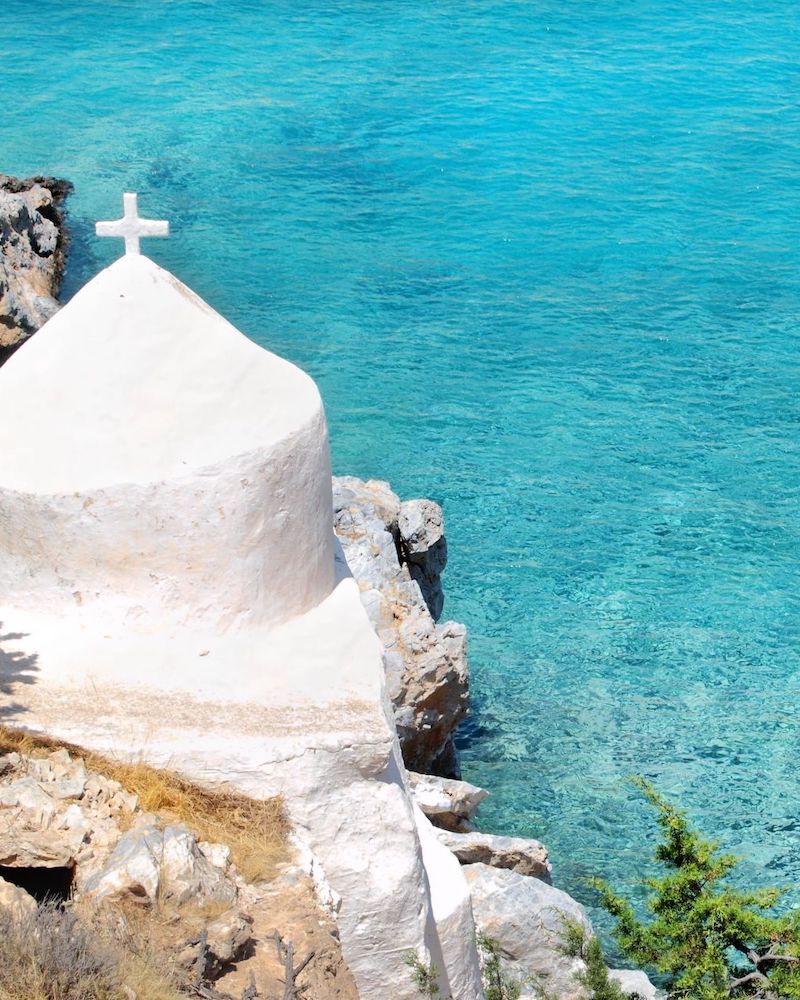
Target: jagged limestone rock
518, 854
133, 871
447, 802
32, 255
16, 900
149, 863
390, 547
423, 548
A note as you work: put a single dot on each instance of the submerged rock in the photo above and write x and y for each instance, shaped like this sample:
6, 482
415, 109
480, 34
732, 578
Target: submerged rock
33, 247
396, 552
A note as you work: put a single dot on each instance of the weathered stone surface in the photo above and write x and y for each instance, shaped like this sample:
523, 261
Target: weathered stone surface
526, 857
396, 552
634, 983
227, 939
27, 793
34, 849
186, 873
219, 855
16, 900
149, 863
526, 917
133, 871
423, 548
32, 254
447, 802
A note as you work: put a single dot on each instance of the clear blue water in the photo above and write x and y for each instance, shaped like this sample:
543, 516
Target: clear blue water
544, 261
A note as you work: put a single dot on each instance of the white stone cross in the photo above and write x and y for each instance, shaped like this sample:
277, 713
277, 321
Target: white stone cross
130, 227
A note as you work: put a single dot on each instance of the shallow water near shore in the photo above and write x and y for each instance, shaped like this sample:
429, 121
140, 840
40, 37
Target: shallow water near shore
544, 262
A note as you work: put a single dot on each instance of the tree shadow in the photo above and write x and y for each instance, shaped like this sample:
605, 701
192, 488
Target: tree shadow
16, 668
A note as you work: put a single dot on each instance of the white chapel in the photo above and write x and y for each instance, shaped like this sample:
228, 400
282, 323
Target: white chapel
169, 578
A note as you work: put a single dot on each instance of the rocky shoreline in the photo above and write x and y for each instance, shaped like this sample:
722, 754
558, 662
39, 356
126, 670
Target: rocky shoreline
33, 253
396, 551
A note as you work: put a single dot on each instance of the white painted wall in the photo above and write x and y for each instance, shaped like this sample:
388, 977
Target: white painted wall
170, 471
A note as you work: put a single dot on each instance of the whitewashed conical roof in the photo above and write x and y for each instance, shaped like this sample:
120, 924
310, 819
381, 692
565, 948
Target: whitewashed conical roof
157, 468
138, 380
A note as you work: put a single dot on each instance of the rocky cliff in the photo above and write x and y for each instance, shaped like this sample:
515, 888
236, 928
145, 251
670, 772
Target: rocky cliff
396, 551
33, 247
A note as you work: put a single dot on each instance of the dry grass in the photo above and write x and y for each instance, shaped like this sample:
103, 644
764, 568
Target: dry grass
52, 954
255, 830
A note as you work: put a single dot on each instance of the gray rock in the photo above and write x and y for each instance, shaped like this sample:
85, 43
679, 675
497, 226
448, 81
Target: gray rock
32, 255
188, 874
27, 793
218, 854
67, 788
393, 550
424, 548
448, 803
133, 871
16, 901
227, 939
354, 495
526, 917
526, 857
149, 863
634, 983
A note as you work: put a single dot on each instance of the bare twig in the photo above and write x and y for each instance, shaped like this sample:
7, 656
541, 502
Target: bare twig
290, 971
751, 977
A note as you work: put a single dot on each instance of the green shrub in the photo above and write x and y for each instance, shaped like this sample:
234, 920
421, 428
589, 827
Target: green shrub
577, 943
426, 977
497, 984
711, 940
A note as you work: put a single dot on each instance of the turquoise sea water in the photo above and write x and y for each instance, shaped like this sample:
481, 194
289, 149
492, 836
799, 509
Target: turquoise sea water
544, 261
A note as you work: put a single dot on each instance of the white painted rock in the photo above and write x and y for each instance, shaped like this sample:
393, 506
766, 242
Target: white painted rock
526, 917
448, 803
16, 900
526, 857
165, 524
